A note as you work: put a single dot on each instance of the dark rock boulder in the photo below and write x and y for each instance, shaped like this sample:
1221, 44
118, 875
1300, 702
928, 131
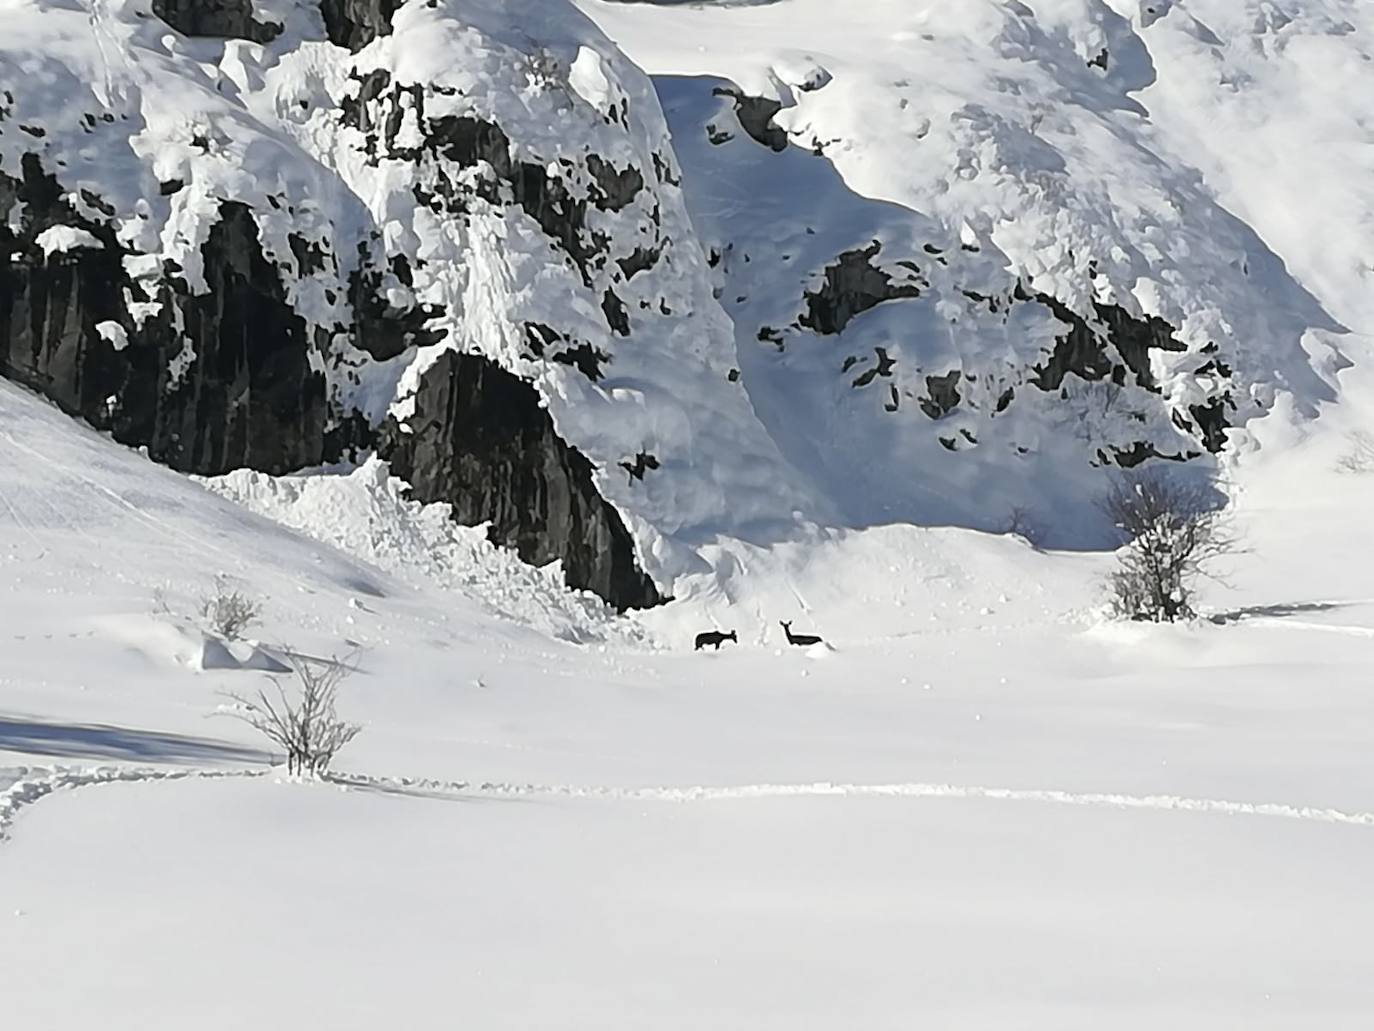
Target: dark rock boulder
228, 19
356, 23
756, 116
852, 286
942, 394
1082, 348
481, 441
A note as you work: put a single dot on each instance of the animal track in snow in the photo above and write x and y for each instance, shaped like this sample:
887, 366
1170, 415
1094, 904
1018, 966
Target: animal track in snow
31, 785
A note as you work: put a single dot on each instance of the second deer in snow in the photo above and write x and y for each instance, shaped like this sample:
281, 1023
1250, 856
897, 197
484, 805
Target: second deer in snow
800, 640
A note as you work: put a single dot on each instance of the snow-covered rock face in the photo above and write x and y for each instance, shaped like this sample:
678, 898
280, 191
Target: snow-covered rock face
958, 238
295, 214
940, 267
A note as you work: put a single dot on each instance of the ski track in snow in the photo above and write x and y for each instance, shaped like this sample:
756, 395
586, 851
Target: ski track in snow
27, 786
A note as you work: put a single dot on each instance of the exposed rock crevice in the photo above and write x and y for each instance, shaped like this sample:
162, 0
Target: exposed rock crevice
942, 394
387, 322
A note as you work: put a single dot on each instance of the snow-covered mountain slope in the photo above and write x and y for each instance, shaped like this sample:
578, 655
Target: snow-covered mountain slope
931, 263
990, 170
416, 235
361, 242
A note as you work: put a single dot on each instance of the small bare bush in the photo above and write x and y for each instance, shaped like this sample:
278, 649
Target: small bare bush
228, 612
1174, 532
302, 722
1360, 456
1022, 523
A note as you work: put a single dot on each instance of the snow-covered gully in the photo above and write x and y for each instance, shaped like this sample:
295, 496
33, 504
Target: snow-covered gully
30, 786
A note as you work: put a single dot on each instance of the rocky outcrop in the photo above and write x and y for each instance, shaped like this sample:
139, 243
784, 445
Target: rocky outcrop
465, 144
222, 380
229, 19
356, 23
852, 286
249, 397
756, 116
481, 441
232, 292
208, 383
1082, 350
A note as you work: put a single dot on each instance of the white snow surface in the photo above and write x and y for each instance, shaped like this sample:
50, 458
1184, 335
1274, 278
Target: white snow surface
64, 239
978, 805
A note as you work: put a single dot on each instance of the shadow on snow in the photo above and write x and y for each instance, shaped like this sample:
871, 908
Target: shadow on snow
104, 741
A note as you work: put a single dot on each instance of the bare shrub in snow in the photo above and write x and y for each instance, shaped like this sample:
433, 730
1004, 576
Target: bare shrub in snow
1360, 457
1093, 409
302, 721
228, 612
1173, 531
1022, 523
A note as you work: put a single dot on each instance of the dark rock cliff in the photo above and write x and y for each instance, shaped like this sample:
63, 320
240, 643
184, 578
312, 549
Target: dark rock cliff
481, 441
233, 387
224, 379
356, 23
231, 19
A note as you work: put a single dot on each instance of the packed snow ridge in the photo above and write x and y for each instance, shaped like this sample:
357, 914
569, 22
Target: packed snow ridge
729, 281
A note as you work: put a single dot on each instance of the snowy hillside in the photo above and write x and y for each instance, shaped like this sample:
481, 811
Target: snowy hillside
491, 351
952, 265
980, 805
1046, 237
270, 253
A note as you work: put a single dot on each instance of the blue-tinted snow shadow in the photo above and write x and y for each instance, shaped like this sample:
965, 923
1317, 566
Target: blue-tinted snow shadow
1280, 610
105, 741
797, 206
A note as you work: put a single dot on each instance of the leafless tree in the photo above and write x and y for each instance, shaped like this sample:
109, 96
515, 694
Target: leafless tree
1360, 457
302, 722
1174, 531
228, 612
1022, 523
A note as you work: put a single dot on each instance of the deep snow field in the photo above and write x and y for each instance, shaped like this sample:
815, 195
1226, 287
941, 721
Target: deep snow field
981, 805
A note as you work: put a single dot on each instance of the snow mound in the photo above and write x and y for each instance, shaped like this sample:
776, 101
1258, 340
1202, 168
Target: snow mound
366, 514
859, 587
170, 640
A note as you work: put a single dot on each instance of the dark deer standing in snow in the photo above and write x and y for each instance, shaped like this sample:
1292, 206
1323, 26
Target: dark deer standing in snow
716, 638
800, 640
